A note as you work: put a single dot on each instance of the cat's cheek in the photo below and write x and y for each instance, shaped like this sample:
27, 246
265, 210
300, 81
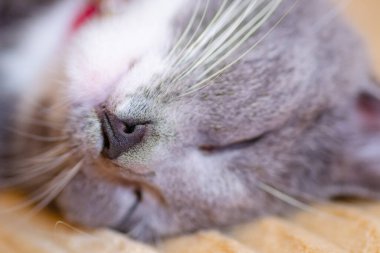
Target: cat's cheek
93, 202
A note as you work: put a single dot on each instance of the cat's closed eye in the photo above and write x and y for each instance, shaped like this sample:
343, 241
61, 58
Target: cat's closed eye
236, 145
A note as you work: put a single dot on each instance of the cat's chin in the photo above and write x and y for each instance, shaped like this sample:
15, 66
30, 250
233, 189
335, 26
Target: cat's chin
98, 198
94, 202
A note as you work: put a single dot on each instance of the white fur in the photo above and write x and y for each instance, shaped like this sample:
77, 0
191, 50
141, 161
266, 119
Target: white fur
127, 43
40, 40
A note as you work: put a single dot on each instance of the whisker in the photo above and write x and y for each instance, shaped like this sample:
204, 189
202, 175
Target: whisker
288, 199
43, 197
57, 185
79, 231
219, 22
48, 124
210, 25
199, 84
326, 214
194, 33
57, 106
23, 175
34, 121
185, 32
35, 136
46, 156
246, 31
56, 160
221, 39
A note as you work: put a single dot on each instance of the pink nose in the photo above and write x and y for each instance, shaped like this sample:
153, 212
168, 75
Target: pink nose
118, 136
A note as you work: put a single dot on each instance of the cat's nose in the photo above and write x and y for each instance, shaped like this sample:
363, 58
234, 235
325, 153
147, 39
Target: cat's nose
118, 136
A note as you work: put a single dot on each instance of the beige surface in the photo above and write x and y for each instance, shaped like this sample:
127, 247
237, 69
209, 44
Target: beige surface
365, 14
335, 228
44, 233
332, 228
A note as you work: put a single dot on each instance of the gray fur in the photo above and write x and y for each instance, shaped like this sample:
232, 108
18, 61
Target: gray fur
201, 165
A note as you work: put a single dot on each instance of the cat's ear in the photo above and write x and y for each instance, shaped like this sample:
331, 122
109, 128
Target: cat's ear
368, 109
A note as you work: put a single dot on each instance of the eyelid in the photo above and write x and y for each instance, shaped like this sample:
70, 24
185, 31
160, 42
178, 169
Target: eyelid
233, 145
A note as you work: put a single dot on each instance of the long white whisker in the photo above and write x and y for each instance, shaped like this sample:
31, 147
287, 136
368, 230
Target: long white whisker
220, 23
44, 196
221, 20
57, 160
246, 31
57, 184
199, 84
24, 174
193, 36
185, 32
202, 37
221, 39
79, 231
282, 196
296, 203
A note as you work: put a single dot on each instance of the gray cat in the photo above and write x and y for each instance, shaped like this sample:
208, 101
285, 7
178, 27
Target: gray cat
172, 116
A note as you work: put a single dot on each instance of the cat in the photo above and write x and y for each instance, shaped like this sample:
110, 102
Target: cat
166, 116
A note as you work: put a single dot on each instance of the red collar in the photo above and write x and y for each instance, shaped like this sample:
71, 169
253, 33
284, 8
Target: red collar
88, 11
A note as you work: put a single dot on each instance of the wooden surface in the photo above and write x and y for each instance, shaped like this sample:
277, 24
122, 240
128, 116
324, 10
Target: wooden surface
332, 228
365, 15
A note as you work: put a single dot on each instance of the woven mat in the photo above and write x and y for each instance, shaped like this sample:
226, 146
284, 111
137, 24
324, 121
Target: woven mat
348, 227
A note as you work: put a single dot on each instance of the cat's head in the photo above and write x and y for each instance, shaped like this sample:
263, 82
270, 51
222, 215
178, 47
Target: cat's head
169, 133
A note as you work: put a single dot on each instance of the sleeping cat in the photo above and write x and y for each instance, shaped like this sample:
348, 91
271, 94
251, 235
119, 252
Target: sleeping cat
160, 117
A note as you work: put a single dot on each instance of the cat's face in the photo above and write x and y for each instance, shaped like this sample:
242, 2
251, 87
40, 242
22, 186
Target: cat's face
162, 151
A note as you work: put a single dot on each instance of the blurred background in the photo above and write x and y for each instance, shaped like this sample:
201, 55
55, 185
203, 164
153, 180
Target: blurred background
365, 14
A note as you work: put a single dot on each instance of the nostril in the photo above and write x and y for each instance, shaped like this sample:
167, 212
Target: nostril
106, 141
129, 129
118, 136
